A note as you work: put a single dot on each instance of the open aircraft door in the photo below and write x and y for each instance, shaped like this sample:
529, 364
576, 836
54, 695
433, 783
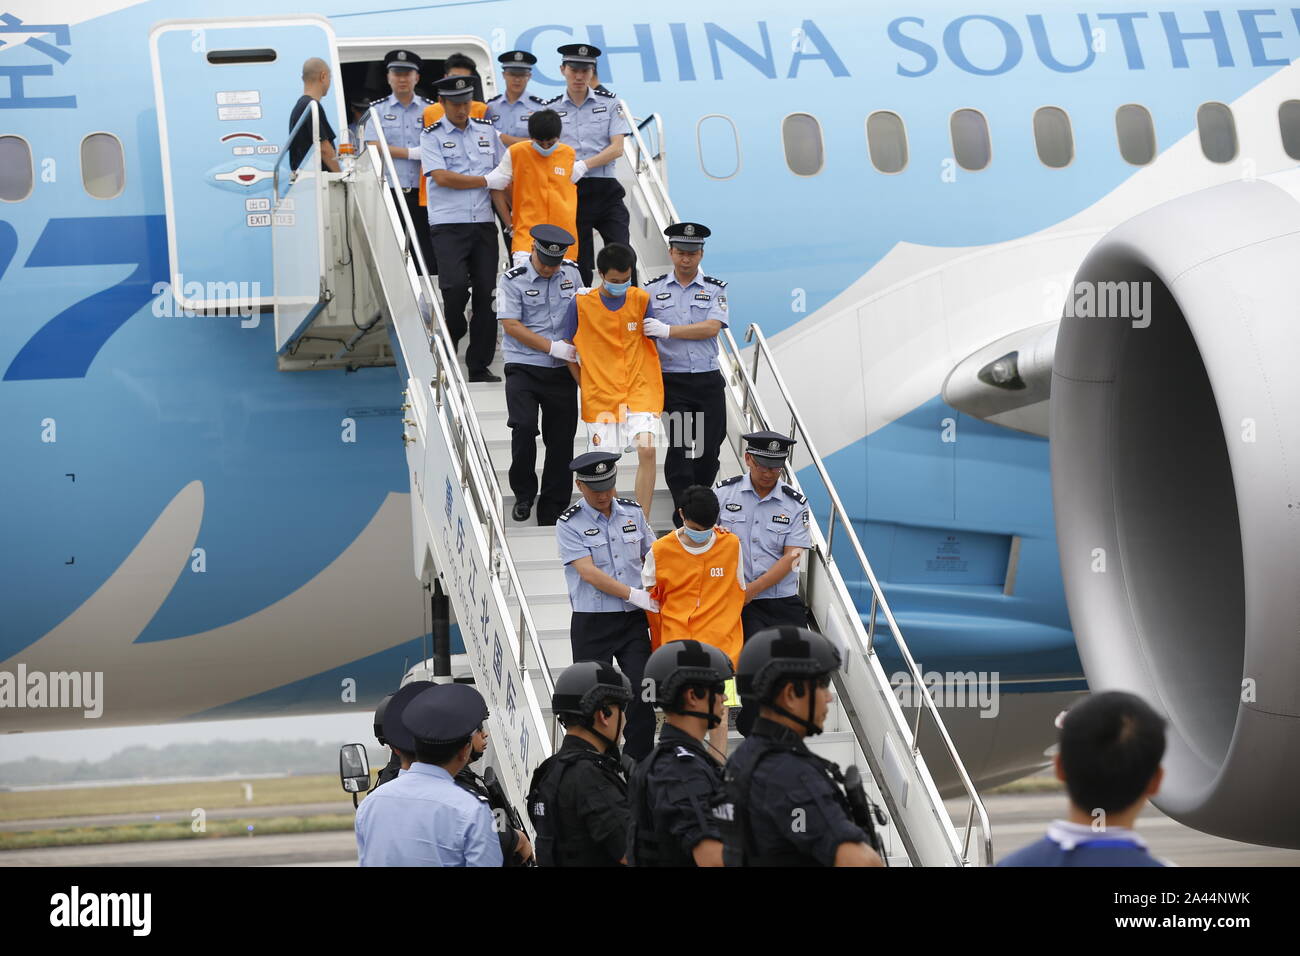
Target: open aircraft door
224, 89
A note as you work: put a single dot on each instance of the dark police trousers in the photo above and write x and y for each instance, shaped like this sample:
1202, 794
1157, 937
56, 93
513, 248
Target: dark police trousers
625, 635
467, 264
553, 392
600, 207
695, 412
760, 614
420, 221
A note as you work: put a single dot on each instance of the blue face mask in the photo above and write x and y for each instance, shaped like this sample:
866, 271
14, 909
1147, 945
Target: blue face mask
617, 288
699, 537
547, 150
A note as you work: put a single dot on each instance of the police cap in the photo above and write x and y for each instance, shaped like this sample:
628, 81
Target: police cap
687, 236
395, 732
680, 664
769, 448
779, 653
445, 714
517, 60
379, 719
402, 60
550, 242
586, 685
579, 54
455, 88
596, 469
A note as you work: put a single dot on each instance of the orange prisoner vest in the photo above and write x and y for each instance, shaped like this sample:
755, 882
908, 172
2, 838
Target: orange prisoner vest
620, 370
697, 593
431, 115
542, 193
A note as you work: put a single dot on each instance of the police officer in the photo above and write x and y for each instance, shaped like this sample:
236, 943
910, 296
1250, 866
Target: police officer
458, 151
771, 520
516, 850
603, 541
594, 125
578, 796
509, 111
677, 794
689, 309
773, 778
401, 118
394, 765
531, 304
423, 818
392, 733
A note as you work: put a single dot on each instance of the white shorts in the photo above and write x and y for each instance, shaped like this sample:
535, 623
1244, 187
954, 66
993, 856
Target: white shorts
617, 436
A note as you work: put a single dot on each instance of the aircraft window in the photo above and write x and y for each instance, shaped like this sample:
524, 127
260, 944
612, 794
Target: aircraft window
103, 167
1136, 134
970, 139
718, 145
887, 141
802, 136
1052, 137
16, 172
1288, 118
1218, 132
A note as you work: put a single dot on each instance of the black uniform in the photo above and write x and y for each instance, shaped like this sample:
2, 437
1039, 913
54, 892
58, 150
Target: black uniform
578, 805
678, 798
788, 808
467, 779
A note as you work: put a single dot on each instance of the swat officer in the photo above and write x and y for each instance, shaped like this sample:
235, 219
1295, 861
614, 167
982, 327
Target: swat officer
401, 118
603, 541
578, 796
457, 152
594, 125
422, 818
509, 111
531, 304
677, 795
773, 778
394, 765
689, 309
771, 519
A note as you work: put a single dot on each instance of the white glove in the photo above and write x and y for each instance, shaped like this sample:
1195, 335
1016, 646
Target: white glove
564, 352
497, 179
642, 599
579, 170
655, 328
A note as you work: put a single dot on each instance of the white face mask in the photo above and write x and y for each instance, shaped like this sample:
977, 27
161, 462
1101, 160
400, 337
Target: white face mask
698, 537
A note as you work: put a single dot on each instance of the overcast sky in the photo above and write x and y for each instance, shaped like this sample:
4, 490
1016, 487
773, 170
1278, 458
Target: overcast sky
98, 744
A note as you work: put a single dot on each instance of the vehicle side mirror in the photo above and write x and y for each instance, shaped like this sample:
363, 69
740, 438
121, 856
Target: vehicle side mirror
354, 768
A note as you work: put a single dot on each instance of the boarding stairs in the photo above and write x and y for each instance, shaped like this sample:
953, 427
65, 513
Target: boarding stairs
362, 301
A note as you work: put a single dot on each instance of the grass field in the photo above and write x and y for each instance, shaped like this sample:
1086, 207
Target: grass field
152, 798
179, 830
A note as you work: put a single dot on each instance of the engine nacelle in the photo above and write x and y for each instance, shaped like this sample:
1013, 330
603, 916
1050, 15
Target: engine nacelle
1175, 432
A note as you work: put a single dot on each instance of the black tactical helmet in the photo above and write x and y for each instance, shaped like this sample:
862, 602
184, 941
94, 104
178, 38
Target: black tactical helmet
379, 720
680, 664
782, 652
586, 685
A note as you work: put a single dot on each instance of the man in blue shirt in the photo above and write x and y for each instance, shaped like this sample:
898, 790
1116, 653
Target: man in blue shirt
509, 111
688, 310
458, 152
423, 818
531, 303
401, 118
603, 541
1111, 745
594, 125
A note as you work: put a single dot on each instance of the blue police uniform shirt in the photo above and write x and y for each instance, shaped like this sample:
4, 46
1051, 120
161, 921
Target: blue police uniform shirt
422, 818
402, 126
540, 304
766, 527
617, 544
1076, 844
512, 118
704, 297
472, 151
588, 128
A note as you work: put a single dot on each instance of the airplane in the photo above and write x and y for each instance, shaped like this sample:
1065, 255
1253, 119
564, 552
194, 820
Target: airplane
903, 200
